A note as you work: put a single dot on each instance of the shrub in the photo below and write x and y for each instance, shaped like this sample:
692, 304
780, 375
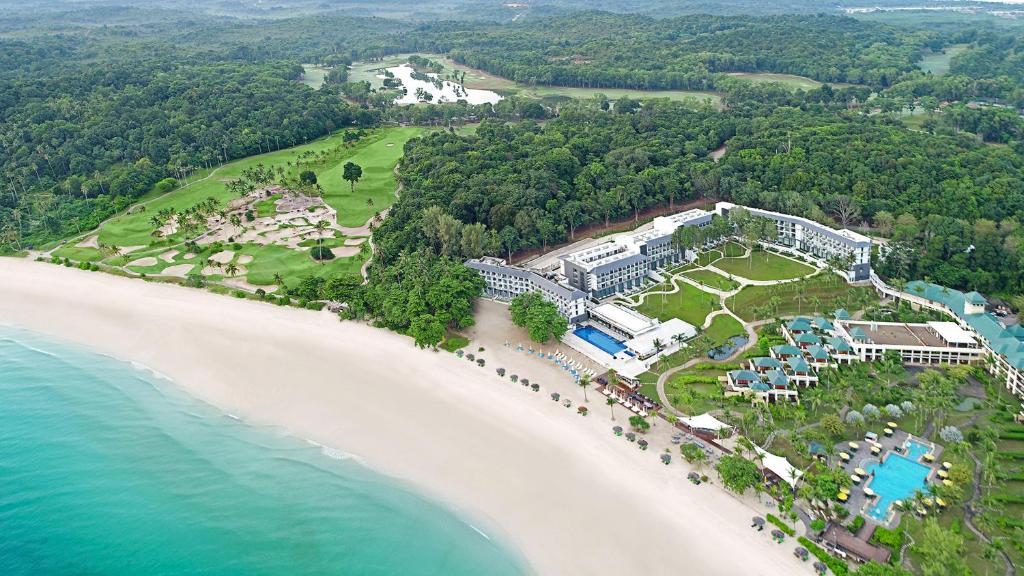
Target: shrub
855, 525
893, 411
261, 293
315, 306
782, 525
837, 566
817, 525
907, 406
854, 418
871, 412
321, 253
951, 435
239, 294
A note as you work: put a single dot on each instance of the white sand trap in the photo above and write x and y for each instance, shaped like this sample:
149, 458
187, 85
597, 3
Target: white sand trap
181, 270
354, 241
345, 251
147, 261
189, 256
169, 255
223, 257
389, 144
210, 271
245, 258
90, 242
130, 249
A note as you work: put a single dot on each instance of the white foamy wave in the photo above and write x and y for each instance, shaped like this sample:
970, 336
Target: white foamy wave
143, 368
232, 416
32, 348
335, 453
479, 531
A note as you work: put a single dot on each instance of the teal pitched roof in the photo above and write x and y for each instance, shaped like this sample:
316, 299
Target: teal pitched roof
802, 324
745, 375
764, 362
1009, 342
822, 324
798, 364
785, 349
808, 338
839, 344
777, 378
817, 352
841, 314
858, 334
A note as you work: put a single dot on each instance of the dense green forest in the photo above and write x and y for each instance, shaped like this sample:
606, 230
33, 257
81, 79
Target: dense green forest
597, 49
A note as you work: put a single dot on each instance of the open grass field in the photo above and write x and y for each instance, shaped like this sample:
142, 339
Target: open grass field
763, 265
616, 93
712, 279
937, 63
313, 75
722, 328
377, 152
789, 80
828, 292
689, 304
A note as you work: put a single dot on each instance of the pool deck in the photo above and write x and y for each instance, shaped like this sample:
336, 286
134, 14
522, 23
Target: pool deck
859, 502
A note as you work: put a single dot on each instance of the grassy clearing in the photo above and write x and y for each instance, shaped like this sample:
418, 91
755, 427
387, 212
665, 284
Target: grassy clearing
689, 304
763, 265
455, 342
937, 63
733, 250
616, 93
830, 291
293, 265
712, 279
790, 80
313, 75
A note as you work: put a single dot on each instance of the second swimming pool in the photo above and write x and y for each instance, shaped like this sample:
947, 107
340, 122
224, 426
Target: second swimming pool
898, 478
600, 339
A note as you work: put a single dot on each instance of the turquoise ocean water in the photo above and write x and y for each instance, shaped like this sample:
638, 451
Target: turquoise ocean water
107, 469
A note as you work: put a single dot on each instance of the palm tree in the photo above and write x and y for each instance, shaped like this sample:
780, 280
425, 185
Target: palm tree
231, 269
611, 402
320, 226
584, 383
278, 280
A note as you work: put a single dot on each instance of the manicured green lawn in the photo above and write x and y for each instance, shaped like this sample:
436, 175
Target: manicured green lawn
689, 304
830, 290
762, 265
313, 75
267, 208
293, 265
789, 80
712, 279
372, 152
938, 62
722, 328
79, 254
734, 250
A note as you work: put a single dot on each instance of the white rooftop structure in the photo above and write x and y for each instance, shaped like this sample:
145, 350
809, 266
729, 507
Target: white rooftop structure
780, 466
952, 332
629, 321
705, 422
643, 344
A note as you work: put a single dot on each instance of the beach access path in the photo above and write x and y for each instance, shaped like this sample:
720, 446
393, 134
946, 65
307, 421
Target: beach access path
557, 487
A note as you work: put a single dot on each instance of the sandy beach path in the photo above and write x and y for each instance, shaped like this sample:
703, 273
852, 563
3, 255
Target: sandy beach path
570, 499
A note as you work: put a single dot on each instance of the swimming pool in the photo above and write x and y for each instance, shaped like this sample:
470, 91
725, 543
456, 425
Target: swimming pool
600, 339
898, 478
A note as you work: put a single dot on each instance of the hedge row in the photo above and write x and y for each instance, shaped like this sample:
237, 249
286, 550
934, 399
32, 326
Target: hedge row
782, 525
837, 566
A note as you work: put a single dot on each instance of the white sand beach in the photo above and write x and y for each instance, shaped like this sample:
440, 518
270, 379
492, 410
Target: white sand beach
560, 488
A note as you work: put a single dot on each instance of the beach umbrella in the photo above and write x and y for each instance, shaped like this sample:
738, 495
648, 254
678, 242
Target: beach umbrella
929, 457
875, 450
757, 521
778, 534
842, 497
844, 456
942, 474
869, 492
887, 431
855, 478
947, 465
947, 483
928, 502
820, 567
860, 472
801, 552
844, 490
854, 446
940, 502
892, 425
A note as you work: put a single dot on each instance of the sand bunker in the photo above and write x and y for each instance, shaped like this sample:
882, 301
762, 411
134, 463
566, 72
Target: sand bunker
90, 242
245, 258
345, 251
169, 255
212, 270
130, 249
147, 261
188, 256
354, 241
181, 270
223, 257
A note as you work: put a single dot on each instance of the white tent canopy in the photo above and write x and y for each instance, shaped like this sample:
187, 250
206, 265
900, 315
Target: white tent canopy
780, 466
705, 422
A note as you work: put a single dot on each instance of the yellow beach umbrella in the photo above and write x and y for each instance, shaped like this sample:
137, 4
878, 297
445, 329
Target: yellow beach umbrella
844, 456
929, 457
892, 425
842, 497
928, 502
887, 431
860, 472
876, 450
844, 490
922, 512
947, 465
947, 483
854, 446
942, 474
940, 502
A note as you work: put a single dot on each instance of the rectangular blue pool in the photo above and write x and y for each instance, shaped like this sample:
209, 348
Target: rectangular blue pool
604, 341
898, 478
